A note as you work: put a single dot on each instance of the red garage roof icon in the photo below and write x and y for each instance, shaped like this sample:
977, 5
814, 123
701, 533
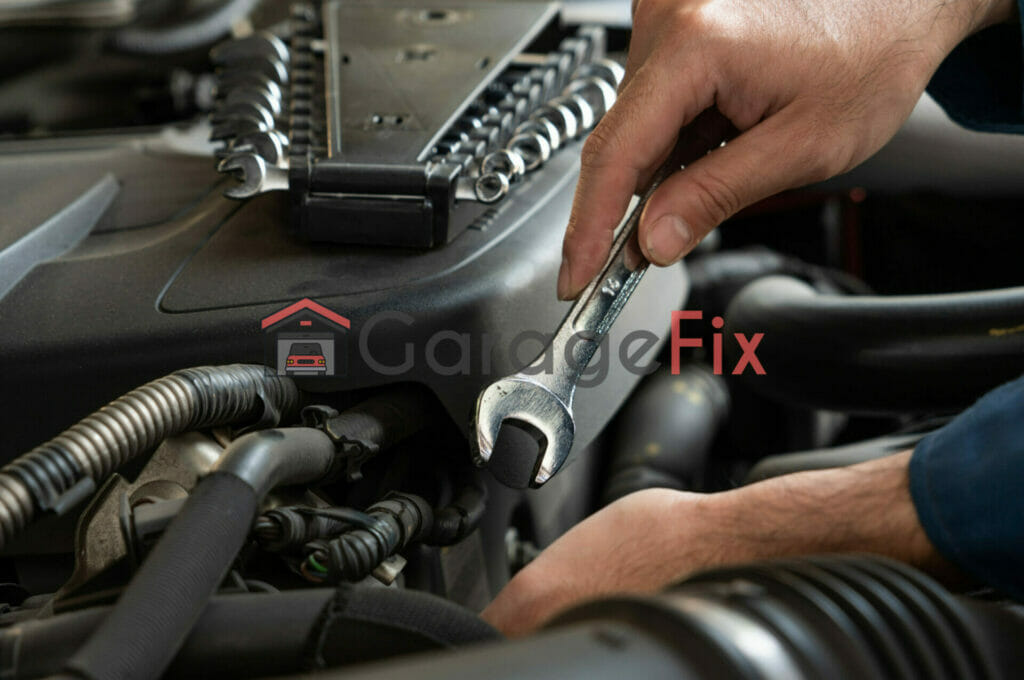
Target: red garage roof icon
301, 305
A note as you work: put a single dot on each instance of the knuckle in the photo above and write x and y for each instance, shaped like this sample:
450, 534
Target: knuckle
599, 148
826, 150
642, 13
590, 250
699, 20
717, 198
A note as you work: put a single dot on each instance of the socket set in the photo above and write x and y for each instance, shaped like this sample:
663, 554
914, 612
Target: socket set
398, 125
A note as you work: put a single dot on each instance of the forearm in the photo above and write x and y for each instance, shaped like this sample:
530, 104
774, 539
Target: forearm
861, 508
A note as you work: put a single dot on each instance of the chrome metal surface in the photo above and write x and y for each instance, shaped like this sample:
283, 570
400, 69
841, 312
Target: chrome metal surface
242, 50
506, 162
270, 145
561, 117
533, 148
491, 187
541, 126
255, 174
606, 69
598, 93
541, 395
251, 94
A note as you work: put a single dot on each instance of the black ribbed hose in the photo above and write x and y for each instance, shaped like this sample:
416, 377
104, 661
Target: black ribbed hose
836, 617
69, 467
159, 607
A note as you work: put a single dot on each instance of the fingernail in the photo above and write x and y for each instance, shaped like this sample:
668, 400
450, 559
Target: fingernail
564, 280
668, 239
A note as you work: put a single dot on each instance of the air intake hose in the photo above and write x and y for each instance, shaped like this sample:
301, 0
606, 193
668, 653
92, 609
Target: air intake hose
838, 617
923, 354
69, 467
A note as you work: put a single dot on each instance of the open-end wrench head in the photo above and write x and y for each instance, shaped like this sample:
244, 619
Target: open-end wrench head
517, 398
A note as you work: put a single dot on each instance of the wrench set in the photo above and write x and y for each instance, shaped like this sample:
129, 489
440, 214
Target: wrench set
393, 124
536, 107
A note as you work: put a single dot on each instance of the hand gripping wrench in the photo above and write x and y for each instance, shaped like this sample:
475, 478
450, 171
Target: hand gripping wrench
543, 400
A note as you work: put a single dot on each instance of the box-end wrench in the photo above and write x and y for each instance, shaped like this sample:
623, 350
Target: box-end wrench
542, 400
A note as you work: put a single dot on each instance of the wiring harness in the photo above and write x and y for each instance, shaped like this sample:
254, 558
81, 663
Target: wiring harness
343, 544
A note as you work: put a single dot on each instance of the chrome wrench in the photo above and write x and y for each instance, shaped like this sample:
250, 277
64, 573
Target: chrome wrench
543, 400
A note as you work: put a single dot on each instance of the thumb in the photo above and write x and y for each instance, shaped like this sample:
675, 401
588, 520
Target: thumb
781, 152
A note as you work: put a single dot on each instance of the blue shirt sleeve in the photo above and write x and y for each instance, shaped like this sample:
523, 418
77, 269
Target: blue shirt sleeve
967, 485
980, 83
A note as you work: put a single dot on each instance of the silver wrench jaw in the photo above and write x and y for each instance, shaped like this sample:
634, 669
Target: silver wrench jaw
518, 398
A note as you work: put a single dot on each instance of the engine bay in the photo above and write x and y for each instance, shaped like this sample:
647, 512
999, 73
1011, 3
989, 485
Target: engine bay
259, 260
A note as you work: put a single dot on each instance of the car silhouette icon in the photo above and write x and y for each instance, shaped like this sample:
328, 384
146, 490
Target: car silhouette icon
305, 358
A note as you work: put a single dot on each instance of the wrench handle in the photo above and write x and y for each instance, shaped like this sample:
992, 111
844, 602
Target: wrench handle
602, 300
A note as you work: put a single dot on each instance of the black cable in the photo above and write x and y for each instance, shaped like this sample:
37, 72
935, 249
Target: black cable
389, 525
69, 467
287, 527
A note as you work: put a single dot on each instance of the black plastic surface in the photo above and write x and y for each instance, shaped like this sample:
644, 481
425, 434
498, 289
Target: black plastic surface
126, 306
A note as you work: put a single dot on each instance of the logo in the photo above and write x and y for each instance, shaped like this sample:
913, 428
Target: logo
747, 346
306, 339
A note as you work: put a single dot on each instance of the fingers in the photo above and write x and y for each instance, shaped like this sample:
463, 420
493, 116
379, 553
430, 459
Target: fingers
521, 608
632, 139
777, 154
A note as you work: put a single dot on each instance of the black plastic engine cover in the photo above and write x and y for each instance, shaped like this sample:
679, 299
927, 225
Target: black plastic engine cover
131, 264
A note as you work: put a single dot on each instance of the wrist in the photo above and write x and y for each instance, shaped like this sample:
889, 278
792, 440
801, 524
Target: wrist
992, 12
952, 22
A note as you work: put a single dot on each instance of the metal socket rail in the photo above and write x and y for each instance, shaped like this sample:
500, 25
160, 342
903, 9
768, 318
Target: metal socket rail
389, 125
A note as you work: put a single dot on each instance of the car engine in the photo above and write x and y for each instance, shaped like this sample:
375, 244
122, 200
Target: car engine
258, 260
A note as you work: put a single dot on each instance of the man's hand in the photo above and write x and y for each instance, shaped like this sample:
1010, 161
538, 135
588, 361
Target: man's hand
653, 538
814, 86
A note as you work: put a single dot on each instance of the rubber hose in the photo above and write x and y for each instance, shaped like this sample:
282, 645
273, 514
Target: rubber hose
162, 602
460, 518
191, 35
665, 432
716, 278
846, 616
79, 460
366, 623
258, 635
237, 636
905, 354
391, 524
840, 617
288, 527
159, 607
383, 420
